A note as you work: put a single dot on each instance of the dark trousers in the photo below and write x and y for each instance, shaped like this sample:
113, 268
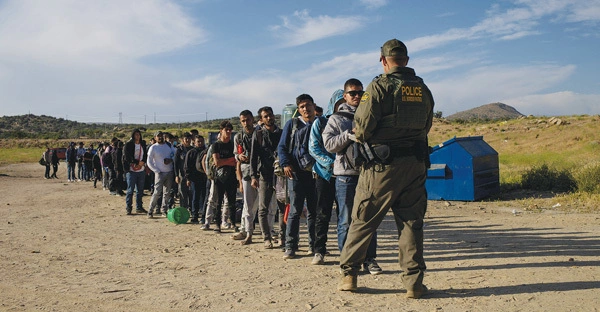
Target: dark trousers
47, 173
301, 188
325, 197
265, 195
198, 188
54, 170
228, 188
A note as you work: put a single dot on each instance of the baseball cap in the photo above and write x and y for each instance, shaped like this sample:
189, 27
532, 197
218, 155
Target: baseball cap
394, 47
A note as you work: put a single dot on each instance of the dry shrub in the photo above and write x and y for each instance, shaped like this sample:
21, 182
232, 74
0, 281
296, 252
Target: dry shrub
588, 178
544, 178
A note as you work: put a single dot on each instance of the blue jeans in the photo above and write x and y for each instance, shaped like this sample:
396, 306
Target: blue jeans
302, 188
80, 170
345, 187
135, 181
71, 171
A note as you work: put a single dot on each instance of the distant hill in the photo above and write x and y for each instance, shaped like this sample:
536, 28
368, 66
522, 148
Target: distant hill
493, 111
47, 127
33, 126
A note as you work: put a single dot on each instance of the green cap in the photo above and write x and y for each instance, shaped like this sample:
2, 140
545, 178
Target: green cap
394, 47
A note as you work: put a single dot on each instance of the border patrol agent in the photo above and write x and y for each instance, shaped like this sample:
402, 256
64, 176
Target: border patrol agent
394, 118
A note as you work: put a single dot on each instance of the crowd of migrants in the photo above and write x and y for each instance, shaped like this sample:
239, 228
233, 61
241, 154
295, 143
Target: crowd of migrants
205, 179
312, 164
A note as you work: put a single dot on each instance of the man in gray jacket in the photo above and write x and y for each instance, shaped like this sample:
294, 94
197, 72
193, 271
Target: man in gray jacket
337, 138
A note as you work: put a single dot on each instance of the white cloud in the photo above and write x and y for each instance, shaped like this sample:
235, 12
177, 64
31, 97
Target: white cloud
92, 33
585, 11
374, 4
495, 84
301, 28
562, 103
223, 97
514, 23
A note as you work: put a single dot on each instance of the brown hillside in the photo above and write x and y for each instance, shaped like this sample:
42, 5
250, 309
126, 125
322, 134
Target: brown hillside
493, 111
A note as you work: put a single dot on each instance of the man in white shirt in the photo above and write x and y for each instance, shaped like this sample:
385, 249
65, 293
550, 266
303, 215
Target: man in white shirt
160, 161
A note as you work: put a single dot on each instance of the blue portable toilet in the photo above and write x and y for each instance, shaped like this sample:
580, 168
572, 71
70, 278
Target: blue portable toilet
464, 168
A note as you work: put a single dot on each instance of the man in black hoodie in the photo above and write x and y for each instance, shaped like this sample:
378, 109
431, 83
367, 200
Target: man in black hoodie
196, 179
134, 164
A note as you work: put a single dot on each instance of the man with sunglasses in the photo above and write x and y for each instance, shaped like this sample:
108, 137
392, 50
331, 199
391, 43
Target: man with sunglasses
394, 118
337, 138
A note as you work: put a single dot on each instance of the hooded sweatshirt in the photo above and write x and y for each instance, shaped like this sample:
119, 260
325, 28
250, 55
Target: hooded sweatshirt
337, 138
324, 159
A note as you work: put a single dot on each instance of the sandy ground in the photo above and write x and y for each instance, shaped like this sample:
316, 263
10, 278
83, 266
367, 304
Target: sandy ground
70, 247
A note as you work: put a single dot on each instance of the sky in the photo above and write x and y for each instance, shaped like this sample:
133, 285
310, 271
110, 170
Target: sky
144, 61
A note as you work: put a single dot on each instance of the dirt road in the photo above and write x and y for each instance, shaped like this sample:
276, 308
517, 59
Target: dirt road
70, 247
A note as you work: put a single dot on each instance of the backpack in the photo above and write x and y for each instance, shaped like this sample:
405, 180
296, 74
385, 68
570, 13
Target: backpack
199, 156
299, 145
355, 152
107, 158
209, 162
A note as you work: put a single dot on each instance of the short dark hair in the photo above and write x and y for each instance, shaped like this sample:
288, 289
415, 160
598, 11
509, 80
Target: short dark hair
352, 82
303, 98
225, 124
187, 135
246, 113
198, 137
399, 59
319, 109
264, 109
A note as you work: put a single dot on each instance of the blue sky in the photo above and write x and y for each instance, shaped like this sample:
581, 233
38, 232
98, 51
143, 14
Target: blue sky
189, 60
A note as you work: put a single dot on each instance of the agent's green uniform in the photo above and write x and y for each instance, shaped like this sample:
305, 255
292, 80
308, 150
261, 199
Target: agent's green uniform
396, 110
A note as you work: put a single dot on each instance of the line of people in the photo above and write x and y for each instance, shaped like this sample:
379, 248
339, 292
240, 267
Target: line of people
308, 165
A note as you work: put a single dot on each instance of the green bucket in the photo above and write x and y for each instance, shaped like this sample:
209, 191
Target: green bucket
178, 215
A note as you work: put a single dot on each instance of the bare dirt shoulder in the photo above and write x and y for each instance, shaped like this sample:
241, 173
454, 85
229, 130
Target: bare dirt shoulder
69, 247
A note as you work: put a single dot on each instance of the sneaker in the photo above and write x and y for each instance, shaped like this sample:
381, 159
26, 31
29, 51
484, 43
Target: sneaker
372, 267
112, 193
347, 283
310, 252
141, 210
150, 216
416, 294
205, 227
226, 225
289, 254
217, 229
128, 212
239, 236
319, 259
194, 221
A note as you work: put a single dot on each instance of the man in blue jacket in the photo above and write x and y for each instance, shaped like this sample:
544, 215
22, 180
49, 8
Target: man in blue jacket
301, 184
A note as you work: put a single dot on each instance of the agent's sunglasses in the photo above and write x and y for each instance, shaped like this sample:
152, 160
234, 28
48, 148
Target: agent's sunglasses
355, 93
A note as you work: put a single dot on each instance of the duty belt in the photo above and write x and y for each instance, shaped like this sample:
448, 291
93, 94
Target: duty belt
402, 151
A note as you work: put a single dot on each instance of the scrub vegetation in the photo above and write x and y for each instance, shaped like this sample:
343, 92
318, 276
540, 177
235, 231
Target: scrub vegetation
559, 155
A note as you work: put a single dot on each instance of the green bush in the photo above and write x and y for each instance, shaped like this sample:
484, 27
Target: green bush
588, 178
544, 178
